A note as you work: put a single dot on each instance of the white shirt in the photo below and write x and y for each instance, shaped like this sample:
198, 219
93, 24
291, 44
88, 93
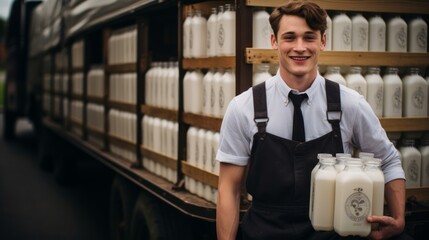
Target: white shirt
359, 125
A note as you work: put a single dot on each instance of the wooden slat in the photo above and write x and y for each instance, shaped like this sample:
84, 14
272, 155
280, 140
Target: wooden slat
123, 143
93, 99
215, 62
167, 114
199, 174
418, 194
128, 107
258, 56
122, 68
159, 157
77, 96
95, 132
388, 6
405, 124
209, 123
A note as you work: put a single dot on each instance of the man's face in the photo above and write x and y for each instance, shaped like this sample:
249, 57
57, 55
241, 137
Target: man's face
298, 47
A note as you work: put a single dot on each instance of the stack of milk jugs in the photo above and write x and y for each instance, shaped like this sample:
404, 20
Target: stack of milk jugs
76, 111
122, 46
95, 111
415, 162
160, 135
201, 151
388, 96
359, 34
123, 125
344, 192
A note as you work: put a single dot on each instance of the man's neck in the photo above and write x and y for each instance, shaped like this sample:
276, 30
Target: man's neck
300, 83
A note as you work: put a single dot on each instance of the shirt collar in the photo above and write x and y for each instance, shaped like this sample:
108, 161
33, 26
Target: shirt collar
284, 89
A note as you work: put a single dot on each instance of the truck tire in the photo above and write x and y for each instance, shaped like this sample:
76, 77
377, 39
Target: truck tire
122, 199
9, 125
154, 220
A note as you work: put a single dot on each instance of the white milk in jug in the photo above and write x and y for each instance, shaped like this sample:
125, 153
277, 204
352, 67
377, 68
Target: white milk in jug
359, 33
211, 34
415, 97
324, 196
227, 31
424, 151
214, 101
417, 35
226, 90
187, 35
261, 74
313, 172
261, 29
219, 28
373, 170
375, 90
198, 35
356, 81
342, 33
207, 84
392, 97
377, 34
411, 163
353, 196
397, 35
333, 73
328, 32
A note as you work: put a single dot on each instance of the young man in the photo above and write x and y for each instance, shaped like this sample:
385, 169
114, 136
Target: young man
257, 133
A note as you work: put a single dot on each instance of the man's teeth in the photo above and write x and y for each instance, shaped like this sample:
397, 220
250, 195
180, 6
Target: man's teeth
299, 58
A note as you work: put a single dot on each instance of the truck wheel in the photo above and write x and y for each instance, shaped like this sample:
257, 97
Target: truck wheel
122, 199
9, 125
155, 221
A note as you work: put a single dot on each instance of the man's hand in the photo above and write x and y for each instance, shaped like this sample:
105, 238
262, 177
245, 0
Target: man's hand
387, 227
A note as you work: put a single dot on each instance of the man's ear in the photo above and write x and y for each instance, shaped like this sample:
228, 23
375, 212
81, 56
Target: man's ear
273, 41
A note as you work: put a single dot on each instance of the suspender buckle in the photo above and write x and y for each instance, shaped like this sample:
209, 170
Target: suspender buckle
334, 115
260, 121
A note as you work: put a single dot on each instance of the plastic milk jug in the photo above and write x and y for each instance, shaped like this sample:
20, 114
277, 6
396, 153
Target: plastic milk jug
375, 90
377, 34
417, 35
342, 33
392, 97
397, 35
411, 163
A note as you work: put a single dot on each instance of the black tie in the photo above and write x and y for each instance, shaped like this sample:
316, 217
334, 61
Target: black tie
298, 133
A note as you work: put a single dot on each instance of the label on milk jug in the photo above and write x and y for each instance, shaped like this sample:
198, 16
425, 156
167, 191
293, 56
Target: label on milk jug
418, 97
358, 206
401, 38
413, 171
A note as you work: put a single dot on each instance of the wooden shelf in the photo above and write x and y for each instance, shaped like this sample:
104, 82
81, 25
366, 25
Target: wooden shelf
215, 62
199, 174
258, 56
379, 6
209, 123
159, 157
128, 107
171, 115
77, 69
123, 143
405, 124
122, 68
93, 99
418, 194
94, 132
77, 96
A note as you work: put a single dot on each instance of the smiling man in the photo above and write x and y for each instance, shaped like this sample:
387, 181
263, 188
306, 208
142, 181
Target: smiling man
275, 130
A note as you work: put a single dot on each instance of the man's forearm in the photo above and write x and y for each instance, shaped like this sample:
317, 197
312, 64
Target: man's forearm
395, 198
227, 217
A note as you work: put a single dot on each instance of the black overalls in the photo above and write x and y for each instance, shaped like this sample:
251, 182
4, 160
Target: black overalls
279, 175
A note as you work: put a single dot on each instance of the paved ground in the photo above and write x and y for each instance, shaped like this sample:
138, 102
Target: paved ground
34, 206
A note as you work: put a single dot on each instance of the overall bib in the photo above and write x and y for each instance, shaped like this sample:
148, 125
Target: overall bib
279, 173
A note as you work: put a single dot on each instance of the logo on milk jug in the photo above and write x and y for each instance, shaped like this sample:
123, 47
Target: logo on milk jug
418, 97
357, 206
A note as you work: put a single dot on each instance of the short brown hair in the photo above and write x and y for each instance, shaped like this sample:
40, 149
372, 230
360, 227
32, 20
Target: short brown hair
314, 15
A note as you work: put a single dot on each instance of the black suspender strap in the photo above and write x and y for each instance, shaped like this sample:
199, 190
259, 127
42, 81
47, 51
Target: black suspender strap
334, 113
260, 108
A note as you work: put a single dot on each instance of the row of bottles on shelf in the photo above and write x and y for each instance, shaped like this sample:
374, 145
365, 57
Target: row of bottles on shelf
95, 82
389, 96
95, 117
415, 162
60, 83
123, 88
208, 94
122, 46
335, 181
359, 34
161, 136
201, 152
162, 85
78, 54
77, 83
122, 125
212, 37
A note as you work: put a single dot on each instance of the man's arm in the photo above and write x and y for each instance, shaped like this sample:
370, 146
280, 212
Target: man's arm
228, 205
394, 225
